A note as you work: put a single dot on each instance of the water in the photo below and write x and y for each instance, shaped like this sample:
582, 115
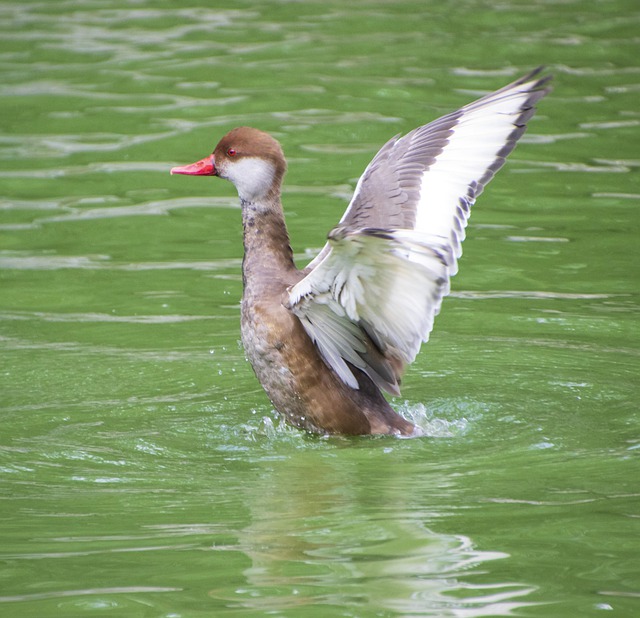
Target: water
142, 470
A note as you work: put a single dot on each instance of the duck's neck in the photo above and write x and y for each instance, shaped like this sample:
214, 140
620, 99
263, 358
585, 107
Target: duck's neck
268, 256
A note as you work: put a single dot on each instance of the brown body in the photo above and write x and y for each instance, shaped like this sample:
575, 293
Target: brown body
285, 360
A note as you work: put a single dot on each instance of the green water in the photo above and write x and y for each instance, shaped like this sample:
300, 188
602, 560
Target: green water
142, 470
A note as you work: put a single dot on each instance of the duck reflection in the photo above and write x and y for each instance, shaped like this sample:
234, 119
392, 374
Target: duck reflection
326, 531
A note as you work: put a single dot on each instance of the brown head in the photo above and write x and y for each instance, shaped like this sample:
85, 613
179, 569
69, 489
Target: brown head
251, 159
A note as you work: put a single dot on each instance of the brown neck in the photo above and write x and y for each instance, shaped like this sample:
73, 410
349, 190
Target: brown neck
268, 256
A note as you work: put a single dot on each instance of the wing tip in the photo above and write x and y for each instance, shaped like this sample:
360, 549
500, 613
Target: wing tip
537, 84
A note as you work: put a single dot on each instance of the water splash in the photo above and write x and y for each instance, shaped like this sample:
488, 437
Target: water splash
443, 421
431, 423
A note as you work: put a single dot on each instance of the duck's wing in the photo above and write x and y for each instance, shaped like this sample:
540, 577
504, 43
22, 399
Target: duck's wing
370, 297
372, 300
428, 179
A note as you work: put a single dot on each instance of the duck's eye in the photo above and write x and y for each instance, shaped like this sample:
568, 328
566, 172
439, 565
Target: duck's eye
232, 152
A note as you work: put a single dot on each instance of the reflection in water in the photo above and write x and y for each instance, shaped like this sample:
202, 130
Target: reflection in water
322, 535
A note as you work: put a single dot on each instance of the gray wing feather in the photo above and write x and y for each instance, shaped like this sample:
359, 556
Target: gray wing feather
369, 298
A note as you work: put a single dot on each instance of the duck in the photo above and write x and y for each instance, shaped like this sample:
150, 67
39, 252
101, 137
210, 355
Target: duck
328, 340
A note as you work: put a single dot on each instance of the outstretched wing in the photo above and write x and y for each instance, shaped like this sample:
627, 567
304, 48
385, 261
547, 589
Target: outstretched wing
372, 300
370, 297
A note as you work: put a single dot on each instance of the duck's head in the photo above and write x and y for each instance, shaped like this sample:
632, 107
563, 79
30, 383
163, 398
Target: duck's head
251, 159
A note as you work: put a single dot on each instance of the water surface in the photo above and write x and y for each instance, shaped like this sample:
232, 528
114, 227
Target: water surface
142, 469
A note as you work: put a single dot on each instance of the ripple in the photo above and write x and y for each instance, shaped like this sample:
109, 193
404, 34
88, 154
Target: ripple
39, 596
536, 239
623, 196
568, 166
618, 124
103, 262
152, 207
103, 317
530, 295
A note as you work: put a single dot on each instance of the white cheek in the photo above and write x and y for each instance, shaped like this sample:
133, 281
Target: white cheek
252, 177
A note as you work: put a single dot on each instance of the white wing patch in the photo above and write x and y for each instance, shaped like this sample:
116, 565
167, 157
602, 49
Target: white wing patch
373, 299
465, 164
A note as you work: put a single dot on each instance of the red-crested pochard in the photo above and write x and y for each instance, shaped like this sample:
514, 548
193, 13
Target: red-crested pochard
325, 341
